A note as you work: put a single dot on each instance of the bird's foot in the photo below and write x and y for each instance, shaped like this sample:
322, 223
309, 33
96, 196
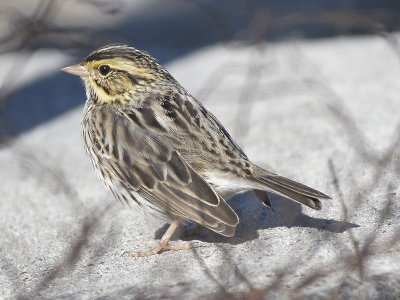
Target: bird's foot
163, 246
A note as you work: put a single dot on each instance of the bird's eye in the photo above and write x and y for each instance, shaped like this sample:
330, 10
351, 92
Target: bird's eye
104, 69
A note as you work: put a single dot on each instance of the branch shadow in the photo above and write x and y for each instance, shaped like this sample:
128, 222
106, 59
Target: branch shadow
206, 22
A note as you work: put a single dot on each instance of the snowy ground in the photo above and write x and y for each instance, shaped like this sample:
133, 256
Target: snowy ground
323, 112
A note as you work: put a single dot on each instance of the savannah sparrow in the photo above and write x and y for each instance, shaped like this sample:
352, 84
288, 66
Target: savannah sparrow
159, 149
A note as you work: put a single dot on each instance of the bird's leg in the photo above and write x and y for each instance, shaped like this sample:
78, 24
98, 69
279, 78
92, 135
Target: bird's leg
164, 245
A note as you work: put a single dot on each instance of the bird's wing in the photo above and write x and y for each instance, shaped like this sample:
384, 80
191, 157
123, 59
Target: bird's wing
187, 126
145, 163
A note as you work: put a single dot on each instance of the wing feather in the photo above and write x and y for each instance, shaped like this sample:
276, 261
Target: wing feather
145, 162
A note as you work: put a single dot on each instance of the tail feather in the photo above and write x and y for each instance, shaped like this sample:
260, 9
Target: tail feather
290, 189
263, 197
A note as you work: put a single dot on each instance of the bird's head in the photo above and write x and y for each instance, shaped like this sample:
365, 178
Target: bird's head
117, 73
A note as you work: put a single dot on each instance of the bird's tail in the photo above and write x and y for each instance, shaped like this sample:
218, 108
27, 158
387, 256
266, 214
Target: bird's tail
285, 187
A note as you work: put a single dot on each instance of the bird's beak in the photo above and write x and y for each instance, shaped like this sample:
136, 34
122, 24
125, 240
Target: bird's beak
76, 69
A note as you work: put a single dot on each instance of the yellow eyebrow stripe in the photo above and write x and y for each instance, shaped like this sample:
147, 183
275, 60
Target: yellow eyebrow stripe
124, 65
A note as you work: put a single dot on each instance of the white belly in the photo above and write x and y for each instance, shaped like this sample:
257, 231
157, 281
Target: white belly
227, 185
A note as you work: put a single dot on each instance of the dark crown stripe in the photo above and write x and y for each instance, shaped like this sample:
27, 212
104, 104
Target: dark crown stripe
120, 51
97, 56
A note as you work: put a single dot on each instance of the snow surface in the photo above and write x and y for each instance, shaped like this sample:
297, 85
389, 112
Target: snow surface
300, 108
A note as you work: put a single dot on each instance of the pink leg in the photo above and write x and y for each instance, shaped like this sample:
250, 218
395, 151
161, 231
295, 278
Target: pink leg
164, 242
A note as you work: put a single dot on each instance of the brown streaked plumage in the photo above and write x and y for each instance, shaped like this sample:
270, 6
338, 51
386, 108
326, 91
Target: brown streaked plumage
156, 147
